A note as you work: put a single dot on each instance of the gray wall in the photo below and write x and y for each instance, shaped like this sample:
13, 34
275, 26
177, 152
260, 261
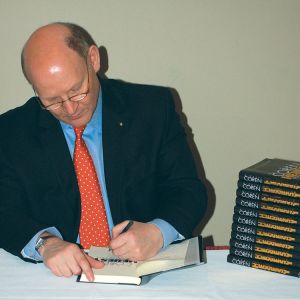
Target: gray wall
235, 65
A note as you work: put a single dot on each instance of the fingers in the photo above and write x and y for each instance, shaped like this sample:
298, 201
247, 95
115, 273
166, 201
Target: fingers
65, 266
94, 263
117, 230
67, 259
140, 242
86, 263
121, 240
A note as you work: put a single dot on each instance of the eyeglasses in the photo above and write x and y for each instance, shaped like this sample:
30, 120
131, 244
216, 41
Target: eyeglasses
76, 98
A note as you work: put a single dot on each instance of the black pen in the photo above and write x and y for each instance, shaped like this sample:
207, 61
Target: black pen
125, 229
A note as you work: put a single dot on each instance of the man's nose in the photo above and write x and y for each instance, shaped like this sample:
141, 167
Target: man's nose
70, 107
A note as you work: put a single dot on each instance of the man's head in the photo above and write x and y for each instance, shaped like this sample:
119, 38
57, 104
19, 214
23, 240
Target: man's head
60, 61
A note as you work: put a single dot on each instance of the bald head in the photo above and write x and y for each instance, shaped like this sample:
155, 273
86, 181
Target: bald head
54, 41
61, 61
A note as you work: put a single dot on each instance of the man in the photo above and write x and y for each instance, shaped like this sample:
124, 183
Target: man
132, 149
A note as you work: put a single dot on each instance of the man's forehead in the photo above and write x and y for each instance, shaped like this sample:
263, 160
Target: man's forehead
55, 60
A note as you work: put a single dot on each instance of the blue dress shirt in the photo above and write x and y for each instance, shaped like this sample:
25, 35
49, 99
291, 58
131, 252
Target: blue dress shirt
92, 136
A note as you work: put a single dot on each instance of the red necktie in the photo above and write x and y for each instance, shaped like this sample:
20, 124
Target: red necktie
93, 223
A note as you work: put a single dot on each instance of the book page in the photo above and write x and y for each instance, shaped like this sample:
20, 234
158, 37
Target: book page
174, 256
113, 264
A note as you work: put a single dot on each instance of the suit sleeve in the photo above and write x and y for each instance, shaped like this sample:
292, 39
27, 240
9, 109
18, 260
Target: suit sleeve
16, 226
183, 198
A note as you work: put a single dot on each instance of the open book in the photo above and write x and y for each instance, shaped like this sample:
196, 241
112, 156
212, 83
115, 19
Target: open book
186, 253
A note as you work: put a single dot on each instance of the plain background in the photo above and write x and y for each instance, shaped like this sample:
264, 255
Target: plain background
234, 63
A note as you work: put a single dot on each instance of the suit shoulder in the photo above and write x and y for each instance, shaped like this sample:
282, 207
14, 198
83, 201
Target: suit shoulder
13, 119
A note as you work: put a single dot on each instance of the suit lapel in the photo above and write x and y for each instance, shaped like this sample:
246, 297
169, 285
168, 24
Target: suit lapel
115, 125
60, 162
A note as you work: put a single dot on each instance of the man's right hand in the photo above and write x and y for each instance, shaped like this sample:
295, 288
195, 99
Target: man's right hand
67, 259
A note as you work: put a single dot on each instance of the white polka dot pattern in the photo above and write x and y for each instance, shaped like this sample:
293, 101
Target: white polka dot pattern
93, 223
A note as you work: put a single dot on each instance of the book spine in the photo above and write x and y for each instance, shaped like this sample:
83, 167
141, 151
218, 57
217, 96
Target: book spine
243, 237
257, 264
271, 207
263, 233
248, 242
272, 216
250, 177
265, 257
268, 180
268, 189
201, 248
248, 194
254, 247
258, 222
241, 244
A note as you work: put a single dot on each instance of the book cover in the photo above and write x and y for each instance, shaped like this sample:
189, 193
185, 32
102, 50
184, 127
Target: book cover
248, 241
278, 172
263, 265
178, 255
267, 215
248, 194
265, 257
266, 206
263, 188
264, 223
256, 247
239, 229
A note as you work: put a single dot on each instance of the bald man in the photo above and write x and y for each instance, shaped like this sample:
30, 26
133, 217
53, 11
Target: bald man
138, 149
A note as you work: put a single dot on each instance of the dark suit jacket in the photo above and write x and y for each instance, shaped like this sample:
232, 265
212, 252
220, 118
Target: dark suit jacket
149, 169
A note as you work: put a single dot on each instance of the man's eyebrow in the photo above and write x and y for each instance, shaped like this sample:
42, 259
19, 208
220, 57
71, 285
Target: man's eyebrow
77, 85
74, 88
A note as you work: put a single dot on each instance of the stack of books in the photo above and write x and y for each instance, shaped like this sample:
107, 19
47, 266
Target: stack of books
266, 222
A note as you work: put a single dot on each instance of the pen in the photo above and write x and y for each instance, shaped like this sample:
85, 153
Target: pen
125, 229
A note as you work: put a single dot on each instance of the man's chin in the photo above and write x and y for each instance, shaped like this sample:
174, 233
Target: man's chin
76, 122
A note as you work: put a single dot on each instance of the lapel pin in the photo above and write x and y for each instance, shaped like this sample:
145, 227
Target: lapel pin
121, 124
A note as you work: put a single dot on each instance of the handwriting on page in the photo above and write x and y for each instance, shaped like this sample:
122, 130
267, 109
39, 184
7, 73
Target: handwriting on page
114, 261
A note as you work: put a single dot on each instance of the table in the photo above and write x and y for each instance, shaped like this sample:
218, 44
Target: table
215, 280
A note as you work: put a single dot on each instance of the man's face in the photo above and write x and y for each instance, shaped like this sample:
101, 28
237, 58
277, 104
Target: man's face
65, 80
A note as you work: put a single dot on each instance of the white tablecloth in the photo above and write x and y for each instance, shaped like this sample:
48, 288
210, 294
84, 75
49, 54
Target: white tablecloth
216, 280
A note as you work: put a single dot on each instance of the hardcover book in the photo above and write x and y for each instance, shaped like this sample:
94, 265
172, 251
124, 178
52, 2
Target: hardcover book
268, 224
249, 241
265, 257
278, 172
179, 255
267, 215
255, 247
239, 229
248, 194
264, 188
264, 265
266, 206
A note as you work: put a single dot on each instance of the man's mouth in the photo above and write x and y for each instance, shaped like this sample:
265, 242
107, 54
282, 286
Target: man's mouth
74, 117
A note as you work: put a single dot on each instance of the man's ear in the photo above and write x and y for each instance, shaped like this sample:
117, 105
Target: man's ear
94, 56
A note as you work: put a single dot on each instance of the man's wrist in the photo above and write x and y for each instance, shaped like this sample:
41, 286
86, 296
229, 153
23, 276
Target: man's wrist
42, 241
29, 251
169, 233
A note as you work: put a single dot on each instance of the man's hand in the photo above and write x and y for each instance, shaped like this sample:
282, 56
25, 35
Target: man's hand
140, 242
67, 259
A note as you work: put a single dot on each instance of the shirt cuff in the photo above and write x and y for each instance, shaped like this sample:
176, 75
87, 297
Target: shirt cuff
169, 233
29, 250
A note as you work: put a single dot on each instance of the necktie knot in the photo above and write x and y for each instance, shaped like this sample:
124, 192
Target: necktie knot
79, 132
